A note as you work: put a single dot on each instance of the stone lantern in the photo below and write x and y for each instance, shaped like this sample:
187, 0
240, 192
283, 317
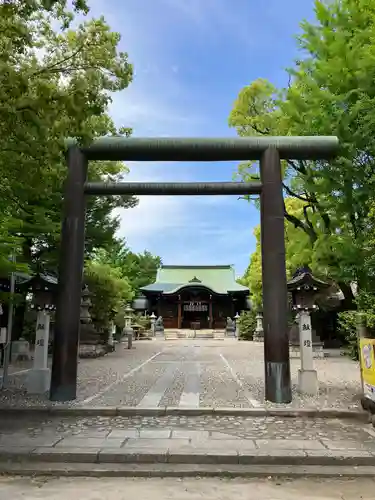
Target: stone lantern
85, 316
43, 289
305, 289
153, 320
258, 335
128, 330
89, 337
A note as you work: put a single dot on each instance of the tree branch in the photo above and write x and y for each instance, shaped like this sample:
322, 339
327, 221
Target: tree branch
58, 63
295, 195
308, 222
300, 224
299, 166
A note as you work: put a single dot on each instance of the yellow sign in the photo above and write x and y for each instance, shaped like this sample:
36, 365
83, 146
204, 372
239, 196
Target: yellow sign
367, 358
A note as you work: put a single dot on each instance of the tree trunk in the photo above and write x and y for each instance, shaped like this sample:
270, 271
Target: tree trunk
20, 310
349, 300
19, 319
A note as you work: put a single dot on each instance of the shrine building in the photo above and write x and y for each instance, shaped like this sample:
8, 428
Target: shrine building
197, 297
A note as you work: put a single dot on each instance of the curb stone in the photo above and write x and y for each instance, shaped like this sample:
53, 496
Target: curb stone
130, 411
202, 457
43, 469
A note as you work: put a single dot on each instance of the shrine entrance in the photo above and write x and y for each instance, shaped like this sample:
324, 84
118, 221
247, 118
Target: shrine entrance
270, 151
195, 315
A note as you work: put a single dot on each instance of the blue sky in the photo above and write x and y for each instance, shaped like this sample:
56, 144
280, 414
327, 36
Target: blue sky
191, 58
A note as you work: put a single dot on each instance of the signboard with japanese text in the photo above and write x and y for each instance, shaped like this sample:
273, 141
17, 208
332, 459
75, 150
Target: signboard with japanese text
367, 359
196, 307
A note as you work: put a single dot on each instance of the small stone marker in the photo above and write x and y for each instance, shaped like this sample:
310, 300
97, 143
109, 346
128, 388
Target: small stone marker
307, 375
39, 377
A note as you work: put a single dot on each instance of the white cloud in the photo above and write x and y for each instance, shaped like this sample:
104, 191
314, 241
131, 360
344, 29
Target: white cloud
151, 115
174, 216
183, 230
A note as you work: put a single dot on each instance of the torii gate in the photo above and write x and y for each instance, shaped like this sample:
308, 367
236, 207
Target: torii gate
268, 150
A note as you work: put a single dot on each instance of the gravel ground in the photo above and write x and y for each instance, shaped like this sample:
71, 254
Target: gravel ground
241, 427
39, 488
339, 378
231, 374
94, 375
132, 390
173, 394
220, 390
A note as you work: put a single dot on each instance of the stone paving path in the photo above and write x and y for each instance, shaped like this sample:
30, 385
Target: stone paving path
191, 373
181, 439
239, 427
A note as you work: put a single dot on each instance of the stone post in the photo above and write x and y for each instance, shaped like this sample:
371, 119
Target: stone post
307, 376
259, 332
306, 289
39, 377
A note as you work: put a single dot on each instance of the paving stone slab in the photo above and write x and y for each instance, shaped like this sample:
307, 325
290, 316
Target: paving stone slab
129, 455
124, 434
228, 444
190, 434
80, 455
329, 457
90, 443
289, 444
349, 445
222, 435
155, 443
155, 433
192, 455
11, 452
275, 457
187, 455
90, 433
34, 442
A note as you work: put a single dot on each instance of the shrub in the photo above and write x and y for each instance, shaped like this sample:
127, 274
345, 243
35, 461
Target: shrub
347, 323
143, 321
247, 324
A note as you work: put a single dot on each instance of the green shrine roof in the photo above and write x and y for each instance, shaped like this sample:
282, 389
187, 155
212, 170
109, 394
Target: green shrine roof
219, 279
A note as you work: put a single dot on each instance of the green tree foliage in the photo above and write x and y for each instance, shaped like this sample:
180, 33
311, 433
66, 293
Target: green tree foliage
138, 268
114, 276
110, 291
55, 81
330, 93
298, 252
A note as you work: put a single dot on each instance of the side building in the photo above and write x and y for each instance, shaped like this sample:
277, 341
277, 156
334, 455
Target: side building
196, 296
